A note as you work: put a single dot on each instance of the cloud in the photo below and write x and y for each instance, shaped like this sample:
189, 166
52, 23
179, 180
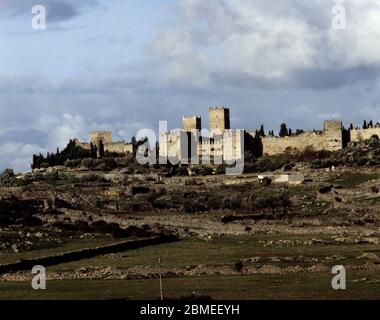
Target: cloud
17, 155
47, 131
269, 64
57, 10
257, 43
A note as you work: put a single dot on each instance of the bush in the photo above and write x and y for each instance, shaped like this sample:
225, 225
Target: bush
272, 199
73, 163
202, 170
31, 221
362, 161
88, 163
104, 227
239, 266
8, 179
271, 163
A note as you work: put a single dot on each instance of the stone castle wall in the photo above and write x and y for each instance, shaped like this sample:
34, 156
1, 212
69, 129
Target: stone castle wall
172, 145
118, 147
191, 123
233, 145
109, 145
331, 139
178, 145
276, 145
97, 136
363, 134
84, 145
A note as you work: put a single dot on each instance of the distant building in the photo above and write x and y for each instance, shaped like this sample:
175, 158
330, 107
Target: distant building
105, 137
226, 144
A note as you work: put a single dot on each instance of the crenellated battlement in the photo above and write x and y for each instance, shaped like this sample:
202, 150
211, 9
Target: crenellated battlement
97, 136
330, 138
105, 137
222, 138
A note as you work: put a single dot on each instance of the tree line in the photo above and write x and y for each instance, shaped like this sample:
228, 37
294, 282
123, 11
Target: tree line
72, 151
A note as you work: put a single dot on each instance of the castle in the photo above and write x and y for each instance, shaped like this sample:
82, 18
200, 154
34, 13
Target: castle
221, 143
105, 137
193, 144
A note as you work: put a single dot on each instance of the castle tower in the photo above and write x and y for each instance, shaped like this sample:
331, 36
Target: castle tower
191, 123
219, 120
333, 133
333, 125
97, 136
100, 136
192, 126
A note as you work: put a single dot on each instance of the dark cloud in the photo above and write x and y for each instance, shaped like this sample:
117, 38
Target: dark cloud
57, 10
325, 79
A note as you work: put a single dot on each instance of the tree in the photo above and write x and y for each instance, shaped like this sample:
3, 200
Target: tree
351, 126
7, 178
284, 131
101, 149
262, 131
72, 151
370, 124
365, 126
93, 151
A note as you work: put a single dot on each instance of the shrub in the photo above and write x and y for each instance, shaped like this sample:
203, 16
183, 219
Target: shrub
104, 227
31, 221
362, 161
272, 199
73, 163
239, 266
8, 179
88, 163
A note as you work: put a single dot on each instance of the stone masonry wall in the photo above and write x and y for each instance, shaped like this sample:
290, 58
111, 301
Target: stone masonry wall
219, 119
119, 147
331, 140
104, 136
363, 134
191, 123
276, 145
84, 145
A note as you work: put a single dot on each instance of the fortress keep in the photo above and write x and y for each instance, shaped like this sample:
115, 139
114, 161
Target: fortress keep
105, 137
219, 120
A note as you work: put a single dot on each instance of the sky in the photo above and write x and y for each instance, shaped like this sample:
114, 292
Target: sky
124, 65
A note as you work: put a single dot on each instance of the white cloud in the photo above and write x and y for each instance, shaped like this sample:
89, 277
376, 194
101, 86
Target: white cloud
18, 156
254, 39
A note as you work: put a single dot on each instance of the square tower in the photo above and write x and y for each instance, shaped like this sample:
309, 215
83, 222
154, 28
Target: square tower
97, 136
333, 135
191, 123
219, 120
333, 125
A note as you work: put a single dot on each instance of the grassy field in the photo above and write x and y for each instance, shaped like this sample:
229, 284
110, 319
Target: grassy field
352, 180
218, 251
223, 250
66, 247
299, 286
